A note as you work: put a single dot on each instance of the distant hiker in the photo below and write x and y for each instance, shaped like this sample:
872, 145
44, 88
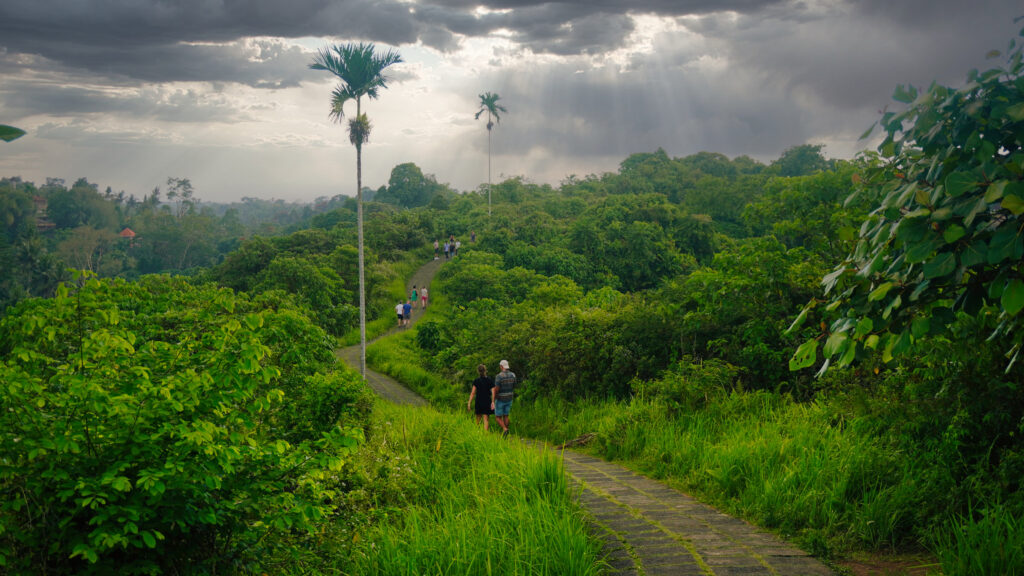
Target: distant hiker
407, 311
481, 390
400, 310
502, 395
458, 244
415, 298
423, 298
472, 237
436, 248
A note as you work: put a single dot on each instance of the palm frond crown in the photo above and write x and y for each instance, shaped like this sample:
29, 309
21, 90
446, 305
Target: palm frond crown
360, 69
489, 104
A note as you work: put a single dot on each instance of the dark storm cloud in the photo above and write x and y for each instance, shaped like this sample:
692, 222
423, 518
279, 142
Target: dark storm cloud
24, 99
157, 41
853, 54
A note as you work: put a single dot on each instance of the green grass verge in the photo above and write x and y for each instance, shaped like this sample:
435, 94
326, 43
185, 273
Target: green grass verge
399, 357
459, 501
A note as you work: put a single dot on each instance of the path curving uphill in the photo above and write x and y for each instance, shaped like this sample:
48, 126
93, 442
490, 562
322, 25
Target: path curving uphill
385, 386
648, 527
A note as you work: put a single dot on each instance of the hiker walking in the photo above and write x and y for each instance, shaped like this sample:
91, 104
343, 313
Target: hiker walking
407, 311
400, 310
423, 298
481, 390
502, 395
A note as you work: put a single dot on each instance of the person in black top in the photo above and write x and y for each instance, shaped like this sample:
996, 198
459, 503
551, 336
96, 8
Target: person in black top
481, 390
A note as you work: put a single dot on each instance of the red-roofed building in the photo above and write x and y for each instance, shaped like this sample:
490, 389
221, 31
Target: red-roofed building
130, 235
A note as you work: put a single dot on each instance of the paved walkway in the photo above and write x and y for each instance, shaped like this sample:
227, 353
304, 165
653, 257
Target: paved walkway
648, 528
651, 529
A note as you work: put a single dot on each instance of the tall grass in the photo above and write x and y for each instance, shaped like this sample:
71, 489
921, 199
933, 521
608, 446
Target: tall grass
782, 464
470, 504
989, 542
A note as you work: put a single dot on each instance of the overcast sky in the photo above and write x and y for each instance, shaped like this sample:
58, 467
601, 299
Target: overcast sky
127, 93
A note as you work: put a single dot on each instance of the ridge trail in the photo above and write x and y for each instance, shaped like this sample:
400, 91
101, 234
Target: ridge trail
648, 528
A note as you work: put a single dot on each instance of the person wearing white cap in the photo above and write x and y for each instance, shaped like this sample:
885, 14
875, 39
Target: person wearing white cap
502, 395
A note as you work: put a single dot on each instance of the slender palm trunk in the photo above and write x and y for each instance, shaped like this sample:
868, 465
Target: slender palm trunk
362, 276
488, 163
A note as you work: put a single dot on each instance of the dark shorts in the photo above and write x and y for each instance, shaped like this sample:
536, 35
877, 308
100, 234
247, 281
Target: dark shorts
399, 316
501, 407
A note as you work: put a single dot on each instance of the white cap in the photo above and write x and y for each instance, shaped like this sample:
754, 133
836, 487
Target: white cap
503, 364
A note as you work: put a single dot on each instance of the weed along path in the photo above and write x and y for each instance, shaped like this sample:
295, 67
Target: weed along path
648, 528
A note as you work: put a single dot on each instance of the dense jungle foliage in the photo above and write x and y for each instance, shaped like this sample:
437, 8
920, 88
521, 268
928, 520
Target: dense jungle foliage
675, 307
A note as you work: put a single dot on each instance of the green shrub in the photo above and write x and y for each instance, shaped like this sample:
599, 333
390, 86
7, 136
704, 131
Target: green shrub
146, 425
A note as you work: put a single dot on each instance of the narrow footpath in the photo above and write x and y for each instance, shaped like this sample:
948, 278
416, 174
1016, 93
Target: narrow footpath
648, 528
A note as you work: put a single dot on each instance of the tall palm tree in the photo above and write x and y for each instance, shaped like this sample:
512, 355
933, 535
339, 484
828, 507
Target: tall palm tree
489, 104
361, 71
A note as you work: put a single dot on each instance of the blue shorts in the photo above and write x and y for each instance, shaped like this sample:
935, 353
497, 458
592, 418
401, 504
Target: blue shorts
501, 407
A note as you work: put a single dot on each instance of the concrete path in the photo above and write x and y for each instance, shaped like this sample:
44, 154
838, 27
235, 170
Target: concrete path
651, 529
385, 386
648, 528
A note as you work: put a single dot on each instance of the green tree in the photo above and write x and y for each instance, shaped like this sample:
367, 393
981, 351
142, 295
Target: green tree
409, 187
946, 238
87, 247
800, 161
489, 105
361, 71
161, 427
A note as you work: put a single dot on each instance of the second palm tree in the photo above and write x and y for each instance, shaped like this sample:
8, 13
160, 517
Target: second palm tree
489, 104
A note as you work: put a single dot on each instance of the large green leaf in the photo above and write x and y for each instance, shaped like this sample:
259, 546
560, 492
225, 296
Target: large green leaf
958, 183
880, 292
1013, 297
834, 343
953, 233
804, 356
10, 133
942, 265
1013, 203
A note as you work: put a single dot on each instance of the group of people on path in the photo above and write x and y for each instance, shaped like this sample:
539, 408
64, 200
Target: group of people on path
493, 396
451, 246
404, 309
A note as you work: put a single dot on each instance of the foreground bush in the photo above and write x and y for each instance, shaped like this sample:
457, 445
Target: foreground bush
157, 424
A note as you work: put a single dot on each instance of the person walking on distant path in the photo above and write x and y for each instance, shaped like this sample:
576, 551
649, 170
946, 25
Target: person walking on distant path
447, 247
502, 395
407, 311
436, 247
415, 295
472, 237
400, 310
458, 244
423, 298
481, 390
